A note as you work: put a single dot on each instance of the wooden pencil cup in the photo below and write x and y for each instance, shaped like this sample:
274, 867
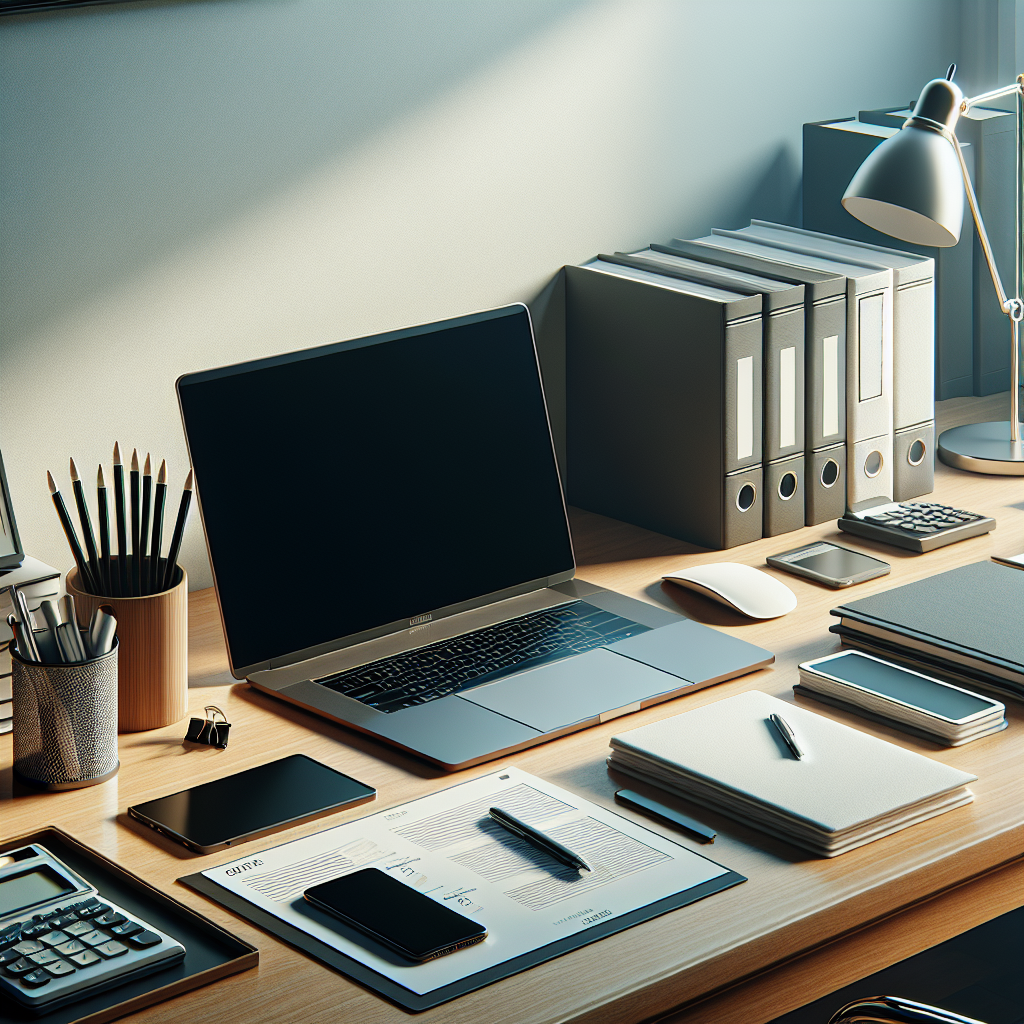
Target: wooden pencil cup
152, 675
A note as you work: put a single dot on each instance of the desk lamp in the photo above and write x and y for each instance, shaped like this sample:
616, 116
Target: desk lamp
912, 187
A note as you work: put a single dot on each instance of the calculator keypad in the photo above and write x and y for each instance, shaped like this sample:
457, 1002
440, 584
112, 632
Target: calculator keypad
917, 525
70, 939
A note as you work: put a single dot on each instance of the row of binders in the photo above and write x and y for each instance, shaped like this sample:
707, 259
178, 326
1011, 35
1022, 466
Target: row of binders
749, 383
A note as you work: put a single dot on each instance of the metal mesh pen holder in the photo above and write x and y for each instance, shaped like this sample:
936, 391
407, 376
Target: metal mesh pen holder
65, 721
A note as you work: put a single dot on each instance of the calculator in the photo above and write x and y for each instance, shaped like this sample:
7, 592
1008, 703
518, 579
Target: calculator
60, 941
914, 525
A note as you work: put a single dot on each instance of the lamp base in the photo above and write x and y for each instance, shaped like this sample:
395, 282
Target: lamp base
982, 448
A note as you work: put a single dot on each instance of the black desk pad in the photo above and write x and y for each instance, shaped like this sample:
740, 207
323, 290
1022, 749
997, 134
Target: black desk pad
210, 951
412, 1001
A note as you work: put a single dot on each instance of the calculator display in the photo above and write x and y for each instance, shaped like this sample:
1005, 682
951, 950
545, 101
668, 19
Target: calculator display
31, 888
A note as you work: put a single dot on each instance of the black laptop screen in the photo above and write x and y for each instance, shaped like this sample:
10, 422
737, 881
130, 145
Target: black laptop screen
357, 485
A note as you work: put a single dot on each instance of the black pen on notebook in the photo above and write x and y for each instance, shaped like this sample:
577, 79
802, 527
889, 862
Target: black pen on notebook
787, 734
538, 839
122, 532
69, 532
83, 518
133, 500
147, 497
159, 498
104, 524
179, 530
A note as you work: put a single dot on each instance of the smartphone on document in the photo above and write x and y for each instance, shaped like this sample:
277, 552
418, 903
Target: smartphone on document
396, 915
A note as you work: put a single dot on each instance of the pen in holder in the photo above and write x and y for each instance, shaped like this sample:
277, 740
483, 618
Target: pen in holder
152, 680
65, 720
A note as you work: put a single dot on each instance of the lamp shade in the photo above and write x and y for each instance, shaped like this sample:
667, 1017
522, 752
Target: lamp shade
911, 186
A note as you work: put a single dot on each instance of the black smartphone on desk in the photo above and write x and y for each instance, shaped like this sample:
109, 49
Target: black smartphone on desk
252, 803
396, 915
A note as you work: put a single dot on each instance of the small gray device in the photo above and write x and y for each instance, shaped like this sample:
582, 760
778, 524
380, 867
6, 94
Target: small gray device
829, 563
60, 941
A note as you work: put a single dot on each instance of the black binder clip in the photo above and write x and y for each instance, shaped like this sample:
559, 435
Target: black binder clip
208, 731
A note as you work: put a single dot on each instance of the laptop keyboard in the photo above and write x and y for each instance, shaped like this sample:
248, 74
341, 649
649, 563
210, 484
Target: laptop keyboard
448, 666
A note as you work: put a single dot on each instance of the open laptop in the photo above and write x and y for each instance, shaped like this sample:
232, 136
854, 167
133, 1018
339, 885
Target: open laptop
390, 547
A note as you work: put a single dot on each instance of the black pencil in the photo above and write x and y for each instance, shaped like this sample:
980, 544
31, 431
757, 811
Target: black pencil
159, 498
133, 500
83, 518
147, 494
122, 532
104, 518
69, 532
179, 530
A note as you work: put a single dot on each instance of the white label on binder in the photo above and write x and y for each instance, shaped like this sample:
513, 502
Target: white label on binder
745, 407
830, 386
787, 397
870, 310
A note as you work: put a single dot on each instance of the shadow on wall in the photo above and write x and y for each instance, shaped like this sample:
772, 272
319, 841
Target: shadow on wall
773, 194
129, 130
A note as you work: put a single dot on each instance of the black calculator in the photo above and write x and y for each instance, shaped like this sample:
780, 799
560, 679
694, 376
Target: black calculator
60, 941
914, 525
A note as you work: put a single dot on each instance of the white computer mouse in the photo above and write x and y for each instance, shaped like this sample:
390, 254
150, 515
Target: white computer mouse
748, 590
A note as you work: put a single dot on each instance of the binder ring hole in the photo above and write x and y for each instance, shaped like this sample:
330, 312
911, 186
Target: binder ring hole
746, 497
787, 486
917, 453
873, 464
829, 473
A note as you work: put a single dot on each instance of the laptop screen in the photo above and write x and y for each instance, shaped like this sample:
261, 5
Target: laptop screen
348, 489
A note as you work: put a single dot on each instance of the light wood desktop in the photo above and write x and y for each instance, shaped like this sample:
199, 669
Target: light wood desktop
798, 929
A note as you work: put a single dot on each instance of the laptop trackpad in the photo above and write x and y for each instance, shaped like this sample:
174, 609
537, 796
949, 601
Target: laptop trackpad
575, 690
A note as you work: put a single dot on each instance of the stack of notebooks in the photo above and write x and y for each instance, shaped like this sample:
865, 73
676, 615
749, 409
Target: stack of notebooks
964, 625
848, 789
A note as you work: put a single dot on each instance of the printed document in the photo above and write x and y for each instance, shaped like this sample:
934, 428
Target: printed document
447, 846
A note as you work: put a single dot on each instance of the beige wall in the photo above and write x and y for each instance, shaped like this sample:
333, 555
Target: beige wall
193, 183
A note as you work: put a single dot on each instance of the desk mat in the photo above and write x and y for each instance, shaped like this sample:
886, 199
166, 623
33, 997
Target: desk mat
210, 951
410, 1000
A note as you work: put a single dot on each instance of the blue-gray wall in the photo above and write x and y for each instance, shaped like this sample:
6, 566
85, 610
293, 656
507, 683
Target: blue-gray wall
193, 183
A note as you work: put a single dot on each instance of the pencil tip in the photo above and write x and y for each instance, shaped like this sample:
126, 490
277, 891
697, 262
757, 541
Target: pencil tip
148, 469
99, 476
49, 480
162, 477
74, 471
117, 455
188, 481
135, 460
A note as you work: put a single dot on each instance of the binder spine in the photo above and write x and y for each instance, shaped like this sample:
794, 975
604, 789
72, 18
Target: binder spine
825, 458
869, 393
784, 421
663, 408
913, 354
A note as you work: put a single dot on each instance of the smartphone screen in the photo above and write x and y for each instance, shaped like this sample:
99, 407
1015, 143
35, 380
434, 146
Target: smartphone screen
254, 802
909, 688
830, 563
395, 914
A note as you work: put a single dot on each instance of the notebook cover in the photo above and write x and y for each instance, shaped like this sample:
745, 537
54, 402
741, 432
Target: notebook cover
974, 609
846, 778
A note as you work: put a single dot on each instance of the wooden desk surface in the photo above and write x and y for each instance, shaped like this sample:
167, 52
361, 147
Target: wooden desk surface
768, 933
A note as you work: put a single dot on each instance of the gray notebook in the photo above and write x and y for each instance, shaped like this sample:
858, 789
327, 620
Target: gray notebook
849, 788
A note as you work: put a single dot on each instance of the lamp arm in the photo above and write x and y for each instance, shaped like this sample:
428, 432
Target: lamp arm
987, 97
1008, 306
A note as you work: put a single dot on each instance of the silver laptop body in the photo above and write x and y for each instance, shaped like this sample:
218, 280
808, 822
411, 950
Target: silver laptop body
390, 497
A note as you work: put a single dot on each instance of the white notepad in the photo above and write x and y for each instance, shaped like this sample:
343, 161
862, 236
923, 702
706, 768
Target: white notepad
848, 789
